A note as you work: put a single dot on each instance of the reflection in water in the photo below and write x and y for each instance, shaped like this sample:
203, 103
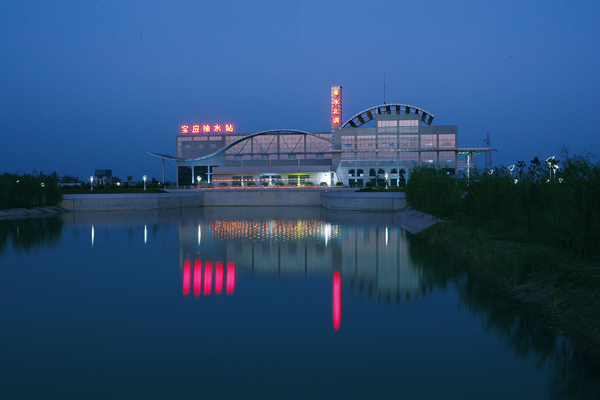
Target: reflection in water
208, 277
369, 258
28, 233
337, 300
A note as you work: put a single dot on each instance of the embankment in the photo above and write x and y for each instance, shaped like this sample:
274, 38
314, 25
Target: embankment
333, 199
565, 292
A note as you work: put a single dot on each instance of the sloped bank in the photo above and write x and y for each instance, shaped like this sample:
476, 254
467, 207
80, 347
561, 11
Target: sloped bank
563, 291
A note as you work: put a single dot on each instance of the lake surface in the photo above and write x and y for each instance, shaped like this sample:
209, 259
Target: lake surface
260, 303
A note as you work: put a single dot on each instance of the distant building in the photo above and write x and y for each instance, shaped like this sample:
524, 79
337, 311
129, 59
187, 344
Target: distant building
103, 177
353, 153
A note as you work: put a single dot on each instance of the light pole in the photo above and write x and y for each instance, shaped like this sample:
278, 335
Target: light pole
386, 181
145, 177
92, 182
198, 178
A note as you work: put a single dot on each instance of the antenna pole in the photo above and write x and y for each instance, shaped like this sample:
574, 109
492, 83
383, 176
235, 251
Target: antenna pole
384, 88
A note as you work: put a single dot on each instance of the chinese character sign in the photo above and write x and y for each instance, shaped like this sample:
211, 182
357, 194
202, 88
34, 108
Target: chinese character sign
336, 107
206, 128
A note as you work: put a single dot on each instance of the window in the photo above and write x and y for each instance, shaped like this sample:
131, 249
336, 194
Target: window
213, 146
237, 158
200, 146
372, 172
407, 126
351, 172
264, 157
359, 172
188, 146
447, 141
387, 126
291, 156
428, 141
319, 156
381, 172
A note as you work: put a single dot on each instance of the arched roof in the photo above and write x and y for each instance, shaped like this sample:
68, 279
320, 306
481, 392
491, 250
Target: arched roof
369, 114
246, 137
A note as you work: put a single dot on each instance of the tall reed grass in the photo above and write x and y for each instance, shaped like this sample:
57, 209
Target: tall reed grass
551, 202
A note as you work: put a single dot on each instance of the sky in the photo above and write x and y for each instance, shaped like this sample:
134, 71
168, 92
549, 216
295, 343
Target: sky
88, 85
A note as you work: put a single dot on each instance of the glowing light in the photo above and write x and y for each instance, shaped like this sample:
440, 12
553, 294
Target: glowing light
336, 107
336, 92
196, 129
337, 300
386, 236
336, 120
187, 277
92, 235
336, 102
230, 277
219, 278
228, 127
217, 128
197, 277
199, 234
185, 129
207, 278
336, 111
206, 128
145, 234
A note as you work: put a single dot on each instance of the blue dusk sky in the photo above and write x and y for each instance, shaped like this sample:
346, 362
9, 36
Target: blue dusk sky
90, 85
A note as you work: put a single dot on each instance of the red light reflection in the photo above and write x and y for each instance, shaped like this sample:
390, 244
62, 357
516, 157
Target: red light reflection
187, 272
230, 277
207, 278
337, 300
197, 277
219, 278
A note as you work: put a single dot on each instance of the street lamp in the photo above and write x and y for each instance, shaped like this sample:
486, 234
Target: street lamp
198, 178
145, 177
386, 180
92, 182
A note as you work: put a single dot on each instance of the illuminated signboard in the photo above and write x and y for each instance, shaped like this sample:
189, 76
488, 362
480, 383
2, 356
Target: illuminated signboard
206, 128
336, 107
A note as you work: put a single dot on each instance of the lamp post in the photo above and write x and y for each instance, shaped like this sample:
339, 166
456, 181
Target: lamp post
92, 182
198, 178
145, 177
386, 181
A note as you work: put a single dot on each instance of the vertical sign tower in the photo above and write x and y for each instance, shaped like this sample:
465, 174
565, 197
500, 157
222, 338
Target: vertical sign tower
336, 108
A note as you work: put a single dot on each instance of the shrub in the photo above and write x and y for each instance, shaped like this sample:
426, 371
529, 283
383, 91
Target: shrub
339, 184
250, 184
223, 184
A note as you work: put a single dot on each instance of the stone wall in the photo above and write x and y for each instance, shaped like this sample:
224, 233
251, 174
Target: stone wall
332, 199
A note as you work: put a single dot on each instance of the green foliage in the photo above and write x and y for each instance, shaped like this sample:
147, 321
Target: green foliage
26, 191
223, 184
435, 191
339, 184
540, 203
369, 184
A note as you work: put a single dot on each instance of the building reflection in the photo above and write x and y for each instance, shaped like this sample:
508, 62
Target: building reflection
373, 259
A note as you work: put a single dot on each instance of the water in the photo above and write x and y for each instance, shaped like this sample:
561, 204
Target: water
260, 303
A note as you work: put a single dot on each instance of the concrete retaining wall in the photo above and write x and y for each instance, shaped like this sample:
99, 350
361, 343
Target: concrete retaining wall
361, 201
332, 200
264, 197
132, 201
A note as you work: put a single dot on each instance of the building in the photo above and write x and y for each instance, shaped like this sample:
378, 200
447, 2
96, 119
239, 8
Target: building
379, 143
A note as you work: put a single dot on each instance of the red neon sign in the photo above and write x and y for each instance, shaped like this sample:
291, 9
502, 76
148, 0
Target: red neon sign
206, 128
336, 107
